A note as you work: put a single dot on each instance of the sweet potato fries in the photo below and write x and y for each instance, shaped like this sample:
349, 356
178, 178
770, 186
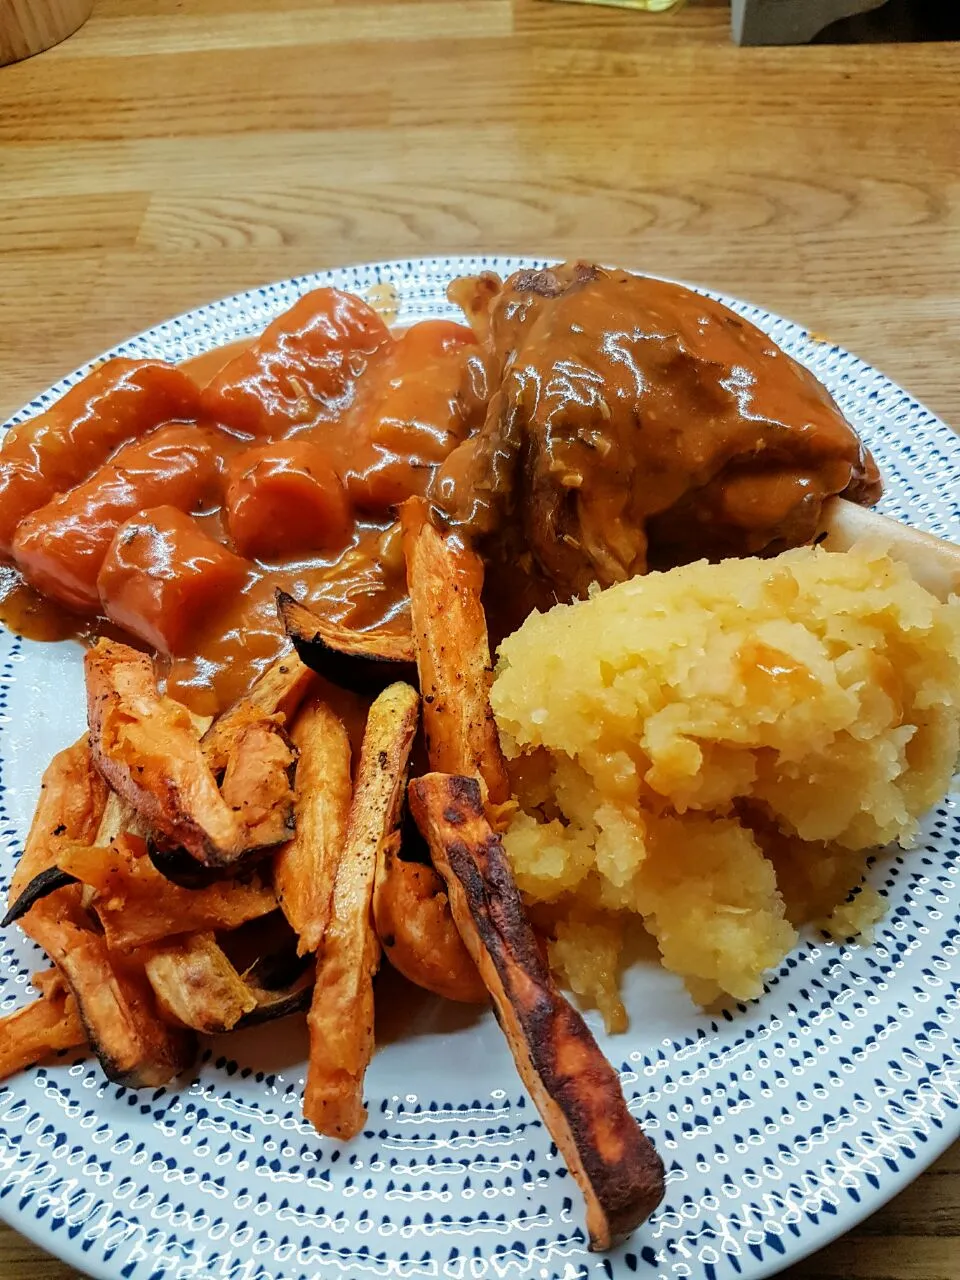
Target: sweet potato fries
190, 878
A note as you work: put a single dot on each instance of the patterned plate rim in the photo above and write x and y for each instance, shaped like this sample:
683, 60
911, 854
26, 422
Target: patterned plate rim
246, 312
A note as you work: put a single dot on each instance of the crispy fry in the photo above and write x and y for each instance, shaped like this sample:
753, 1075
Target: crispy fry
44, 1027
575, 1089
275, 1001
445, 579
341, 1015
416, 929
114, 1000
196, 985
278, 692
305, 868
363, 661
147, 748
40, 887
118, 818
257, 783
137, 906
72, 800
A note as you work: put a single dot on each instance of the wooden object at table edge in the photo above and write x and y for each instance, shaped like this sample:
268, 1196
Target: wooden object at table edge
30, 26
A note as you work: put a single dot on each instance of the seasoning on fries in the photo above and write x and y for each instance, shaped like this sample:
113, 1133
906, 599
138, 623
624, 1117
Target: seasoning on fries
445, 579
341, 1015
305, 868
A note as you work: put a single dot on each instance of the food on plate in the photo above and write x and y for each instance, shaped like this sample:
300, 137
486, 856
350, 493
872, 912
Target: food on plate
46, 1026
162, 579
671, 732
195, 984
61, 547
411, 912
341, 1014
285, 499
135, 1046
576, 1090
305, 868
137, 905
147, 748
638, 424
301, 370
445, 578
363, 661
279, 691
715, 749
118, 401
932, 562
302, 444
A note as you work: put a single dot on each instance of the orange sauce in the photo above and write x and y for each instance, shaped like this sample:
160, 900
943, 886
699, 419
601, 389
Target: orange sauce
390, 408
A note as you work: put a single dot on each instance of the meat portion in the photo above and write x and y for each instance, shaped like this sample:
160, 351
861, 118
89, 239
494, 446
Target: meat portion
638, 424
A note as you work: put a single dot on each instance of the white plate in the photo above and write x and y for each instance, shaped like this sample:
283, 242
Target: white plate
781, 1124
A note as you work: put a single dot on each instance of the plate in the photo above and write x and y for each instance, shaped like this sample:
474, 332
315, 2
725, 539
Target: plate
781, 1123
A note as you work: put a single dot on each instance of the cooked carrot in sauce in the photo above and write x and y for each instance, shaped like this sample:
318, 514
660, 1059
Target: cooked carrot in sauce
61, 546
301, 370
286, 499
421, 396
163, 577
118, 401
181, 534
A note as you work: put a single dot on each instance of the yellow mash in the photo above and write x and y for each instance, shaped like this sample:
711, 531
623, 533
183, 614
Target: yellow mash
716, 750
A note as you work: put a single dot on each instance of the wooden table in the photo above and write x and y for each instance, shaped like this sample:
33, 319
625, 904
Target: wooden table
177, 150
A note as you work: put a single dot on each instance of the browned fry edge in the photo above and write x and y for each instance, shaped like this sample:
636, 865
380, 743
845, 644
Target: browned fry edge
362, 661
444, 578
542, 1028
333, 1096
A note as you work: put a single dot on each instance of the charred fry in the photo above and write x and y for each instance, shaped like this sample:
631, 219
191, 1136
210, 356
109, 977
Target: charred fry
41, 886
304, 870
292, 995
341, 1015
416, 929
363, 661
147, 748
44, 1027
575, 1089
445, 579
196, 985
137, 906
114, 1000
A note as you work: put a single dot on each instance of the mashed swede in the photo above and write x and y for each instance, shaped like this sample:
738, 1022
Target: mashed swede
717, 749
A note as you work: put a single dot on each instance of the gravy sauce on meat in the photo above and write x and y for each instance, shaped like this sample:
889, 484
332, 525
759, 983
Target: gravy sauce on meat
589, 425
638, 424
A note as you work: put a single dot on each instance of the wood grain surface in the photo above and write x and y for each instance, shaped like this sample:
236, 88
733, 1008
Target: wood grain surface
30, 26
173, 151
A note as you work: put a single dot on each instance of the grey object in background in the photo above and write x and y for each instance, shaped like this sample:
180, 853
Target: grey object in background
790, 21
